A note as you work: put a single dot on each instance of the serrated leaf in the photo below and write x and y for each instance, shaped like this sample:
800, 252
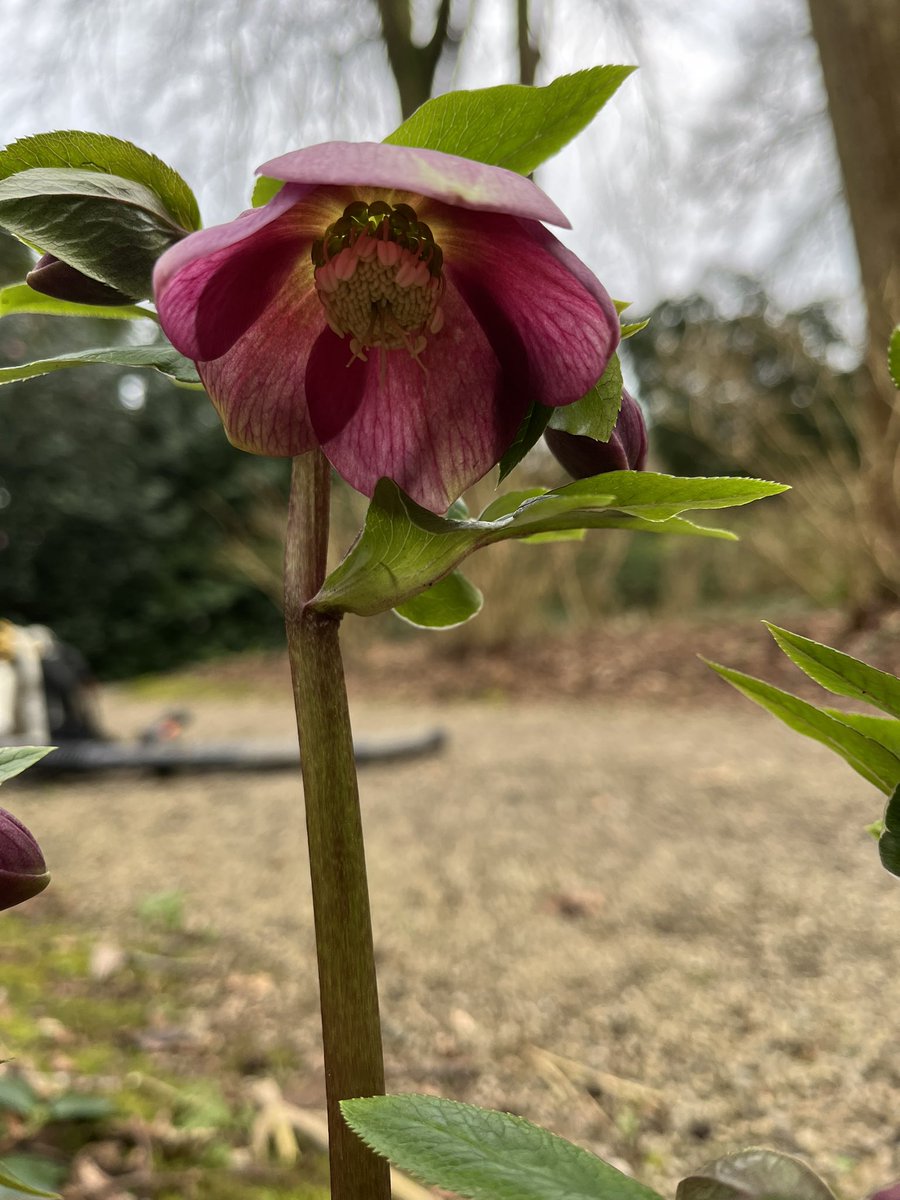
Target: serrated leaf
111, 228
633, 327
511, 126
451, 601
482, 1154
19, 298
754, 1174
894, 357
527, 435
403, 548
840, 673
595, 414
883, 730
163, 358
870, 759
264, 189
107, 155
16, 759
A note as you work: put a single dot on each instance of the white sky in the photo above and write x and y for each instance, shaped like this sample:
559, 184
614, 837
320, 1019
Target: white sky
713, 155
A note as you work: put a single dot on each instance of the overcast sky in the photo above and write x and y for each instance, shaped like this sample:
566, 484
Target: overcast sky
715, 154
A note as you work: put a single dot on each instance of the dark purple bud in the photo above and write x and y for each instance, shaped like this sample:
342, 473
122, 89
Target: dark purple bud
626, 449
23, 872
55, 278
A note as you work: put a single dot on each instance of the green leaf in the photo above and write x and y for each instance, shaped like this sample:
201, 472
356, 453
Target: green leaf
870, 759
449, 602
883, 730
76, 1107
17, 1096
30, 1174
483, 1154
511, 126
106, 155
595, 414
163, 358
533, 425
11, 1185
13, 761
840, 673
894, 357
264, 189
754, 1175
20, 298
404, 548
111, 228
633, 327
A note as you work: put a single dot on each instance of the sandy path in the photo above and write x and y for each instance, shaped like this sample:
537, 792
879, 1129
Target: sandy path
641, 895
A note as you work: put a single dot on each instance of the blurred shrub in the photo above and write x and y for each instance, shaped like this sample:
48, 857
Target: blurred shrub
112, 488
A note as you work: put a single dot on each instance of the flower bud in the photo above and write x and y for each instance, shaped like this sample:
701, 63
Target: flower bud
53, 277
626, 449
23, 872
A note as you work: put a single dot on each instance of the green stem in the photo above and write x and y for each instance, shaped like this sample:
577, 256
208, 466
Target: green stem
351, 1030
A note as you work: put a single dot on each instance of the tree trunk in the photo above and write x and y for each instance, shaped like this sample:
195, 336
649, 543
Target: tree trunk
859, 49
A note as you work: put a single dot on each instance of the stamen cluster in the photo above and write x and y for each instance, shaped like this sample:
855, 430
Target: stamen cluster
378, 276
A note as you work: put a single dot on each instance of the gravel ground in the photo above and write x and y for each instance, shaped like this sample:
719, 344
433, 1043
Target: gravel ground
664, 936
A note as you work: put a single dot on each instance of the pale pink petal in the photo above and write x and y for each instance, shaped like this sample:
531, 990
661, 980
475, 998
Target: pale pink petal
258, 385
544, 324
433, 431
462, 182
212, 286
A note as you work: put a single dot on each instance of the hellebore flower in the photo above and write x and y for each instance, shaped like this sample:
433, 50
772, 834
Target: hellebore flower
626, 449
53, 277
399, 307
23, 872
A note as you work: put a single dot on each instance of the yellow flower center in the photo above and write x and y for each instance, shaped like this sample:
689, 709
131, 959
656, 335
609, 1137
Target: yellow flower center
378, 276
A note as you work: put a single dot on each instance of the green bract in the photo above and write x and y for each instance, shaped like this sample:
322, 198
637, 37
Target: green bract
404, 549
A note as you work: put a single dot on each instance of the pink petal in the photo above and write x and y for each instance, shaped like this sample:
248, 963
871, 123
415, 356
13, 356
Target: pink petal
433, 431
257, 386
573, 263
556, 334
462, 182
212, 286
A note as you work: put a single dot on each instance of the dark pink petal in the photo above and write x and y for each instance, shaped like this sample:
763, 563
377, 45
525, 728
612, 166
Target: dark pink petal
573, 263
462, 182
257, 386
545, 325
213, 285
433, 431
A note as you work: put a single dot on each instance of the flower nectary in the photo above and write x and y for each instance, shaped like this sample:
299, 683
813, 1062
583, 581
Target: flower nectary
398, 307
378, 276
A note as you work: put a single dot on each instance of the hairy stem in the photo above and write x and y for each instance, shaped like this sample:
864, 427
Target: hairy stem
349, 998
